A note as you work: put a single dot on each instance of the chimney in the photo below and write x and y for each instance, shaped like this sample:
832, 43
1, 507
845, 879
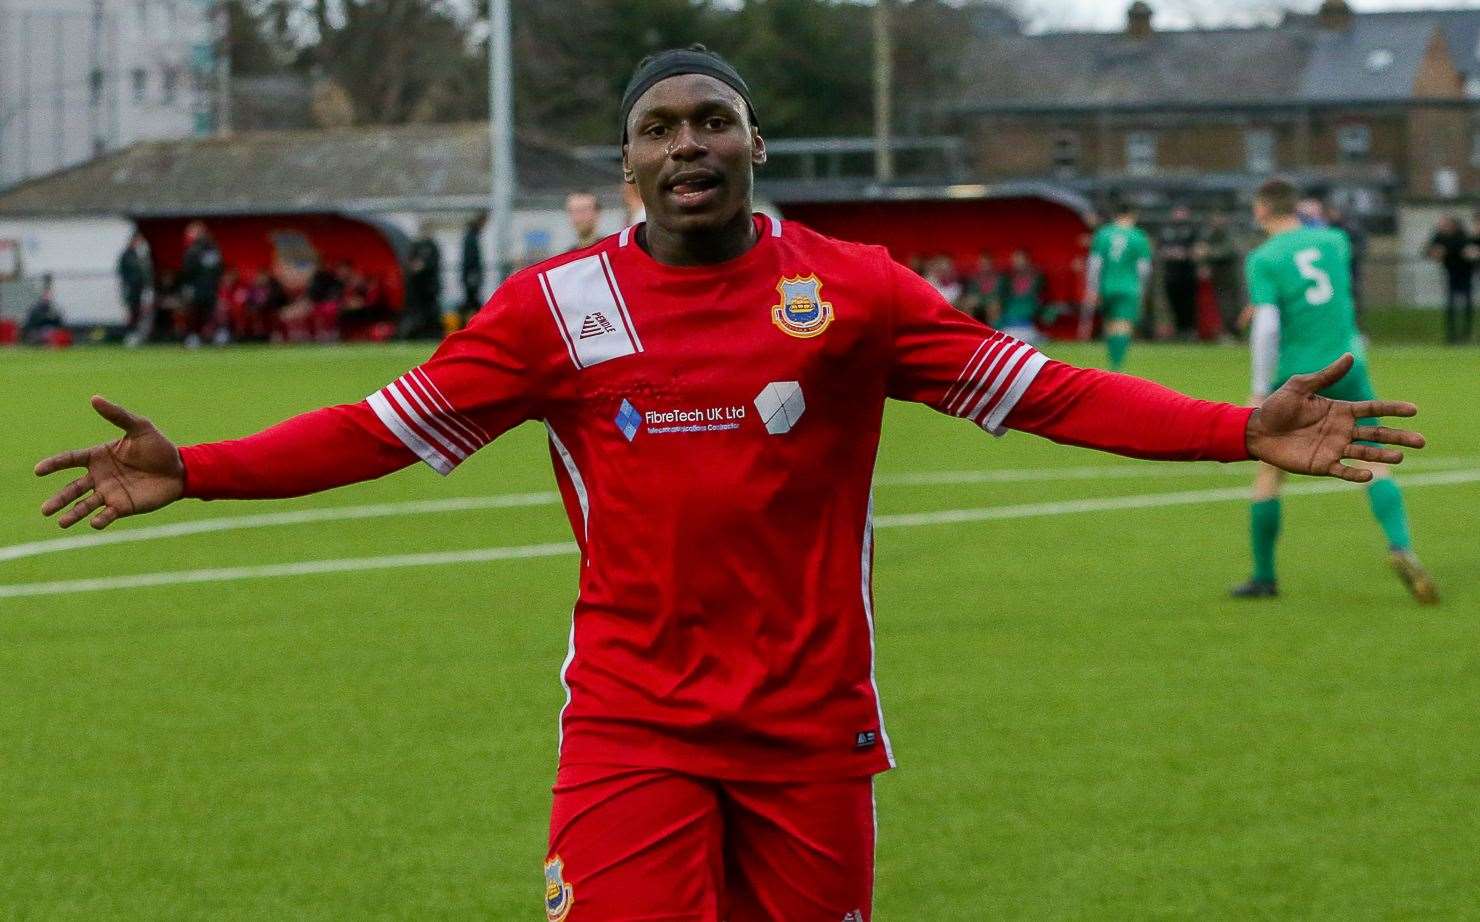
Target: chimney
1138, 20
1335, 15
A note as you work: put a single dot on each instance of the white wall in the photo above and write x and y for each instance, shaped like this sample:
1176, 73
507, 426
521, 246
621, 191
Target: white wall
81, 254
50, 116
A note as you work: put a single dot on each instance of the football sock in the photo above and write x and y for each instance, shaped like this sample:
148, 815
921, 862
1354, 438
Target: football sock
1264, 531
1387, 508
1118, 344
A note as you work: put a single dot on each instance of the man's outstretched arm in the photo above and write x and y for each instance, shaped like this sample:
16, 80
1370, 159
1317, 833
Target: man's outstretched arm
482, 381
142, 470
948, 361
1295, 429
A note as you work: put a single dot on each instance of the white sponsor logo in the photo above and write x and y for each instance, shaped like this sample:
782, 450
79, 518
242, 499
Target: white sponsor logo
780, 405
696, 419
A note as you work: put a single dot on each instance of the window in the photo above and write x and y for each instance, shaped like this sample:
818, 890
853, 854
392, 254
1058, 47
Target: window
1066, 153
169, 84
1446, 183
140, 80
95, 83
1259, 150
1380, 59
1354, 142
1140, 153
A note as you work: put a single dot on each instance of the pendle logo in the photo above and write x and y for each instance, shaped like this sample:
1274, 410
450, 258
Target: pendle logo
596, 325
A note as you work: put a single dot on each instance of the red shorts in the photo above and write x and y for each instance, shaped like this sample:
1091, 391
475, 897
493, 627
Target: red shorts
652, 845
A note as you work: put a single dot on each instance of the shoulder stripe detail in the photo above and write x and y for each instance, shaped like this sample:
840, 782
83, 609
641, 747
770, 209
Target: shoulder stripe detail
965, 380
981, 375
999, 374
992, 381
479, 435
585, 299
407, 389
416, 411
1020, 383
409, 438
405, 403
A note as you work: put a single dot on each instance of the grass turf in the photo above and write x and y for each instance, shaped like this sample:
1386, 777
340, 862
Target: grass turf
1086, 726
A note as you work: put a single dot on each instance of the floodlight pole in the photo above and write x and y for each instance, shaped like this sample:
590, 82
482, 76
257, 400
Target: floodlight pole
883, 92
501, 138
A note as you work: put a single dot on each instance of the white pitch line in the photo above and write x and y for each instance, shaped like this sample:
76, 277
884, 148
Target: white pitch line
298, 568
266, 519
127, 535
1129, 471
480, 555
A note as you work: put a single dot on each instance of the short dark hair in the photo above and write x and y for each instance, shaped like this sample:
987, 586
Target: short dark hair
1123, 208
1279, 195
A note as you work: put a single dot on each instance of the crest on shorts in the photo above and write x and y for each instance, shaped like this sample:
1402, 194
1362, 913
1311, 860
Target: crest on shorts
802, 312
559, 895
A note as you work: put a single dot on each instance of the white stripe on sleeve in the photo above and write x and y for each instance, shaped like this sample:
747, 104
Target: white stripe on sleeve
1015, 391
398, 427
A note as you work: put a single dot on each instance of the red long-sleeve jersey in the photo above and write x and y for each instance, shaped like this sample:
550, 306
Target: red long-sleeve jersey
713, 432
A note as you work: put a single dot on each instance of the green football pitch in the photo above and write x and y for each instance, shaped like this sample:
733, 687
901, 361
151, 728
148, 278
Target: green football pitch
1087, 727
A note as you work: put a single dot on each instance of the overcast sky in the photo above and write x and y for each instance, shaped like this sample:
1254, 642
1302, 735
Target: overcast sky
1110, 14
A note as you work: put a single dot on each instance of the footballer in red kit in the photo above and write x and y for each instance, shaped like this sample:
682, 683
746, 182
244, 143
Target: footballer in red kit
713, 382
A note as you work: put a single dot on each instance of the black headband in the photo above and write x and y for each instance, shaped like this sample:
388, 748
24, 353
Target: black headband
695, 59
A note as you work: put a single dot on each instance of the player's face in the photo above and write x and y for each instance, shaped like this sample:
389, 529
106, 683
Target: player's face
691, 152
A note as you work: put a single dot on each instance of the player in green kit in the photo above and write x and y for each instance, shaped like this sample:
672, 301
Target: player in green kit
1303, 319
1119, 265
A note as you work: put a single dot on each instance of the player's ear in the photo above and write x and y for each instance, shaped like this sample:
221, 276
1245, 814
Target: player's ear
758, 147
627, 175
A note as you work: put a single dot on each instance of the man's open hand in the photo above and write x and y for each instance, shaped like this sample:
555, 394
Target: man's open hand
139, 472
1299, 431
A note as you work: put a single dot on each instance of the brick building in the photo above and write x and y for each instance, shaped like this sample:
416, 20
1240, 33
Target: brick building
1372, 109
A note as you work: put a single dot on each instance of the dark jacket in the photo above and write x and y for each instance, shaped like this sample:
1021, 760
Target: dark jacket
200, 273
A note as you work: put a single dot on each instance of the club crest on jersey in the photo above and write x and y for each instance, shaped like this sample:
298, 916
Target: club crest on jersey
802, 312
559, 895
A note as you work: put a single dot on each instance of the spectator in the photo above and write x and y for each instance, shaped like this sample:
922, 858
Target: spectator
472, 267
136, 287
1223, 264
584, 212
940, 272
1021, 298
1356, 234
979, 289
44, 324
423, 315
1452, 248
231, 310
1312, 212
362, 313
265, 299
325, 294
1179, 270
200, 278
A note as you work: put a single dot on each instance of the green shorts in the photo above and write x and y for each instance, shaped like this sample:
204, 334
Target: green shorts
1120, 306
1356, 386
